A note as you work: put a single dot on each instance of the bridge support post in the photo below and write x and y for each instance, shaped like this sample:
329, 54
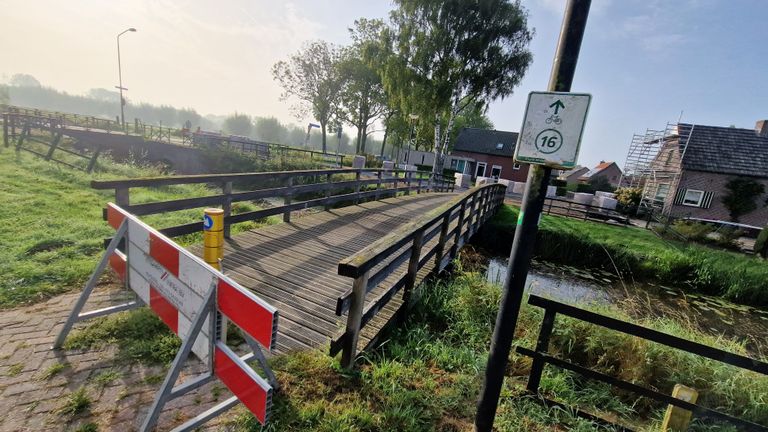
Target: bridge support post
122, 197
54, 144
357, 188
354, 318
378, 184
327, 191
440, 249
287, 199
459, 228
407, 182
227, 207
413, 269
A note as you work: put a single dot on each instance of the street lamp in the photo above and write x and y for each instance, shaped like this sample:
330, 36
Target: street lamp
120, 77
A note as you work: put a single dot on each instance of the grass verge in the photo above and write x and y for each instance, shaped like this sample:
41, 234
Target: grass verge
428, 375
638, 253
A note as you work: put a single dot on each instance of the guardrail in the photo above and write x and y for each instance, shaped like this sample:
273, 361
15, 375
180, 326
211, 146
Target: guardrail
395, 262
348, 184
541, 357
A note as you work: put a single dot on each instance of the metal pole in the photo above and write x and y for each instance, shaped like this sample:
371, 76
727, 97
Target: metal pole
563, 67
120, 82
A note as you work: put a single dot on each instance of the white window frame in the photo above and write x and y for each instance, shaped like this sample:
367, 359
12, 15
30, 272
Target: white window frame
499, 146
493, 167
477, 168
516, 166
698, 202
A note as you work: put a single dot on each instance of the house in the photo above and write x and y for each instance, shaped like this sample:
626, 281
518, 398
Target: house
487, 153
608, 170
687, 178
573, 175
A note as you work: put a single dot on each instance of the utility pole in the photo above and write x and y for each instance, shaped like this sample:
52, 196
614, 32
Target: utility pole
563, 67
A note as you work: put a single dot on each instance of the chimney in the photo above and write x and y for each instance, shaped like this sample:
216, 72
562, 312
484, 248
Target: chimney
761, 128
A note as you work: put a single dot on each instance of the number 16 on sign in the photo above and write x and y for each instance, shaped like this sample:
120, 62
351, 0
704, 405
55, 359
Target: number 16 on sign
552, 129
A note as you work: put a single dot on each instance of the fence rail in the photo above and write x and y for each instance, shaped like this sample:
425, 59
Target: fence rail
350, 185
541, 357
397, 261
568, 208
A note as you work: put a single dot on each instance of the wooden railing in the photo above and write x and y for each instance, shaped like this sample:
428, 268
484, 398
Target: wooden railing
399, 260
316, 187
541, 357
568, 208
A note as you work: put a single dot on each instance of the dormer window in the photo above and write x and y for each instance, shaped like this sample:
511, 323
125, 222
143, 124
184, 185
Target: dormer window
499, 146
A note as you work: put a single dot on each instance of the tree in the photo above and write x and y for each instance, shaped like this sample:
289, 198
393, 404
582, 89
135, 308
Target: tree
269, 129
452, 54
741, 196
24, 80
473, 116
312, 76
363, 97
238, 124
4, 97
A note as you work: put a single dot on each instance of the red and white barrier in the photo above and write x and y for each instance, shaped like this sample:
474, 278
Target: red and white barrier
175, 285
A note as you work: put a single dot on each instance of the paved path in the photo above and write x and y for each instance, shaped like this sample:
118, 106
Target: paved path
30, 402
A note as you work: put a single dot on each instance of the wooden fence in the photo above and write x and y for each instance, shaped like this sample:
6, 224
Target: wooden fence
332, 185
403, 258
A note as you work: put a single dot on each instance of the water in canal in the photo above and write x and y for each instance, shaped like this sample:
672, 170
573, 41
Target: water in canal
583, 287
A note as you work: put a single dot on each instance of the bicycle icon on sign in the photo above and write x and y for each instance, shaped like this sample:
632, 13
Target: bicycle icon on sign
554, 119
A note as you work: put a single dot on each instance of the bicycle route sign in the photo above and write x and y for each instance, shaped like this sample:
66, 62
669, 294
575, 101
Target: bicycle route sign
552, 129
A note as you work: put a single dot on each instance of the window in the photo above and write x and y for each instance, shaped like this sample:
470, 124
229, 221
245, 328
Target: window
693, 198
516, 166
496, 171
661, 191
460, 165
499, 146
480, 171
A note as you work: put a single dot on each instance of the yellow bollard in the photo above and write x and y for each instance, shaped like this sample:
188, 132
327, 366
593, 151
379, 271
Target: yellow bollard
677, 419
213, 237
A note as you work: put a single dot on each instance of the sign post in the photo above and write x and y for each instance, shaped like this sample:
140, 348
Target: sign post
569, 44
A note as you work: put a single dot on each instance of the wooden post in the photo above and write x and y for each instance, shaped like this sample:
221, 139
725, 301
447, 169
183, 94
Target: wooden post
6, 119
227, 207
413, 267
395, 182
357, 187
327, 191
122, 197
378, 184
472, 215
677, 419
418, 185
459, 228
24, 132
287, 199
440, 248
408, 182
92, 162
542, 345
354, 318
54, 144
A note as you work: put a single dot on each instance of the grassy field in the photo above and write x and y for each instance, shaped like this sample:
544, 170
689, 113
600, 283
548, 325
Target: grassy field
53, 232
640, 254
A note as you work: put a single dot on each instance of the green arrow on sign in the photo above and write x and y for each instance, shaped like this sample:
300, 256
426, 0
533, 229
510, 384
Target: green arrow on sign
557, 105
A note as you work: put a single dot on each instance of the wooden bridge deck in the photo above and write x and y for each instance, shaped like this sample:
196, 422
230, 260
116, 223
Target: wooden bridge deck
294, 265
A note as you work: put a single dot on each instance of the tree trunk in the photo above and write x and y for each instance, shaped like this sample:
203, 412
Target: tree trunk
363, 139
322, 128
435, 166
384, 142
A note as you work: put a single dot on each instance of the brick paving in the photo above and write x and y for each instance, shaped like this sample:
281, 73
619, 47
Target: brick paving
31, 402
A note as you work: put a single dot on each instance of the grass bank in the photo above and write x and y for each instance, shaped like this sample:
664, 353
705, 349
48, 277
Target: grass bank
53, 231
428, 374
639, 254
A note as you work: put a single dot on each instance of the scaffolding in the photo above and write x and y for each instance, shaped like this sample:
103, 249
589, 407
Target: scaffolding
654, 164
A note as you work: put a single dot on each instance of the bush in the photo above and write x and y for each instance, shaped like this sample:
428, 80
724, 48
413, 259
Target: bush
559, 183
693, 231
561, 191
629, 199
761, 244
585, 188
727, 238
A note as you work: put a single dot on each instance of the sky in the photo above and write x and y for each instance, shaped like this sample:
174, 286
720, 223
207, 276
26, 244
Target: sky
645, 62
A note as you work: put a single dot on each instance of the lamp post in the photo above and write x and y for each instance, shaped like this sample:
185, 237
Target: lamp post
120, 77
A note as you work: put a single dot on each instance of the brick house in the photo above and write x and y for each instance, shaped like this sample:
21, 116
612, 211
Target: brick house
487, 153
695, 163
573, 175
609, 170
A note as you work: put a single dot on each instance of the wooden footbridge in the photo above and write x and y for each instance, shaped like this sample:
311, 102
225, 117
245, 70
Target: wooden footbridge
339, 274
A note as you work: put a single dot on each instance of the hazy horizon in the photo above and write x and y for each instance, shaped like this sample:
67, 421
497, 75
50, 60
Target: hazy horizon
644, 62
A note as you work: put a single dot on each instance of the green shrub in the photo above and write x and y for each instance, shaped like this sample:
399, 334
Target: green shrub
694, 231
559, 183
761, 244
584, 188
561, 191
